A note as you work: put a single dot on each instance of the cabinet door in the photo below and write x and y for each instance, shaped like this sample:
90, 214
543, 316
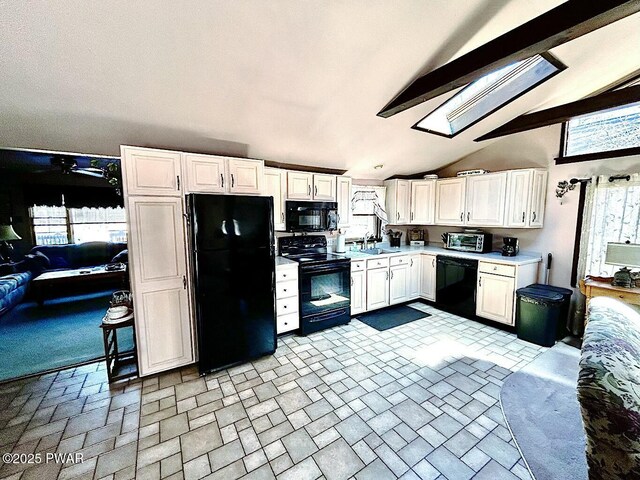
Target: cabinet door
299, 185
151, 172
245, 176
423, 202
398, 284
414, 277
324, 187
274, 185
403, 194
518, 198
538, 198
358, 292
204, 173
495, 298
450, 201
344, 201
158, 270
486, 197
428, 277
377, 288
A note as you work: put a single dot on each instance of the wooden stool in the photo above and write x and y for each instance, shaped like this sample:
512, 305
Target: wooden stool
120, 365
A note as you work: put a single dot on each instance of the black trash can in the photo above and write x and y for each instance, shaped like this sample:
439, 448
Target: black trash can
563, 320
537, 315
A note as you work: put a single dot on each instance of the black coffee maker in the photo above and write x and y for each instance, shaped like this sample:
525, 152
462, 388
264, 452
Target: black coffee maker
510, 247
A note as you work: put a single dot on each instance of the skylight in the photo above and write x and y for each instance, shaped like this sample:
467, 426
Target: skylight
488, 94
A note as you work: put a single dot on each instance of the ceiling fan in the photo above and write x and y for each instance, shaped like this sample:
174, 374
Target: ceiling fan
68, 165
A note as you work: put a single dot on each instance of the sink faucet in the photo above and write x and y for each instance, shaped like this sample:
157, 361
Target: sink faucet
365, 240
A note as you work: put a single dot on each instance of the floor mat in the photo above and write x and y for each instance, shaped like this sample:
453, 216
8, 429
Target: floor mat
540, 405
391, 317
64, 331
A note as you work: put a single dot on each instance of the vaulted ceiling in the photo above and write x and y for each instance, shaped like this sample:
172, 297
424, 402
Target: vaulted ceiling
294, 82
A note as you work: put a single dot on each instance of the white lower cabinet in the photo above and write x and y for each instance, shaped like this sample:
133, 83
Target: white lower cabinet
495, 297
414, 277
358, 292
428, 277
398, 284
287, 311
377, 288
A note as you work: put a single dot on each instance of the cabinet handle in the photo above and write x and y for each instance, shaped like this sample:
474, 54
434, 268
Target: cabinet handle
232, 180
338, 215
284, 275
412, 216
352, 281
433, 262
284, 289
480, 281
387, 276
391, 275
461, 216
411, 264
398, 215
222, 180
282, 215
309, 189
184, 282
522, 217
315, 190
178, 181
533, 217
468, 213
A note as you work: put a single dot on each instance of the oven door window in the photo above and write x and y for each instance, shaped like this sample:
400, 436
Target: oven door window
323, 290
468, 242
306, 220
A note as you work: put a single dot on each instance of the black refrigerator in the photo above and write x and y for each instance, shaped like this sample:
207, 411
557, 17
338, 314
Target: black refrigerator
233, 255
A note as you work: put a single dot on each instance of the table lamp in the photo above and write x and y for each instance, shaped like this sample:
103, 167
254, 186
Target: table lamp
625, 255
7, 234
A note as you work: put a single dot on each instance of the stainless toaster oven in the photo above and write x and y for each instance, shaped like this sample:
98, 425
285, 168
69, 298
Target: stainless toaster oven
477, 242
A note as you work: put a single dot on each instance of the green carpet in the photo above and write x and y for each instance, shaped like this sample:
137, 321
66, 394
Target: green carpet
63, 332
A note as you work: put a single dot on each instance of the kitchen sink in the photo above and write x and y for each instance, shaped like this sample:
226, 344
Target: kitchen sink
373, 251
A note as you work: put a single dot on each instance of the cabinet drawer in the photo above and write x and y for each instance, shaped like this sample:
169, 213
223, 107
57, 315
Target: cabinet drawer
402, 260
286, 289
284, 274
287, 305
358, 266
286, 323
626, 297
378, 263
496, 268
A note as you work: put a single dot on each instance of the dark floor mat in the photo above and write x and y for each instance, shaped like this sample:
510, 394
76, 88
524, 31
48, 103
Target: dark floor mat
391, 317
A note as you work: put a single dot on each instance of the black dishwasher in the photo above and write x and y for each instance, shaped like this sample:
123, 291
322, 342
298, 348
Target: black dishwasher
456, 280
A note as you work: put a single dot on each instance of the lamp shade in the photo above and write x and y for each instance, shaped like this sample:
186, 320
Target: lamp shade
7, 233
623, 254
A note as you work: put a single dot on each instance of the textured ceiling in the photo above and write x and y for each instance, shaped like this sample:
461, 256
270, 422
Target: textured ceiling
289, 81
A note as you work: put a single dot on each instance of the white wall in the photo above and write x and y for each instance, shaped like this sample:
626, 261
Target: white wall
538, 148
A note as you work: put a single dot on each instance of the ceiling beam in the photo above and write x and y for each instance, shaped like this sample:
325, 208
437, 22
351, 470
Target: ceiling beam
563, 113
559, 25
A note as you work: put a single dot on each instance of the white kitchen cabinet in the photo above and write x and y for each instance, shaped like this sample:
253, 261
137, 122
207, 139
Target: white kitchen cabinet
358, 292
450, 201
428, 277
299, 185
538, 198
148, 171
423, 202
398, 283
397, 201
377, 288
518, 197
287, 298
275, 185
204, 173
494, 299
414, 277
245, 176
485, 199
343, 190
158, 273
324, 187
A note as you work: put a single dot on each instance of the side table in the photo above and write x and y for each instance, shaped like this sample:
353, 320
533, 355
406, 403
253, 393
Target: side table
592, 288
120, 365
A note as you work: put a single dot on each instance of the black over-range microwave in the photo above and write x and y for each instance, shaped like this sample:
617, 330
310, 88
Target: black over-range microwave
311, 216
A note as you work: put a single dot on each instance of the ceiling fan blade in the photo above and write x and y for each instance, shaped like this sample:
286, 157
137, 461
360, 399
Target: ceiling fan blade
83, 171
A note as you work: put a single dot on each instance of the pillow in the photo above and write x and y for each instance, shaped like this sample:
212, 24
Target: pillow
43, 260
7, 269
122, 257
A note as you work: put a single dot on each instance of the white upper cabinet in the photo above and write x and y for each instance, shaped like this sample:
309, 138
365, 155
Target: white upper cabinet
299, 185
485, 199
324, 187
275, 185
538, 198
518, 198
245, 176
398, 198
450, 201
526, 198
151, 172
423, 202
344, 201
204, 173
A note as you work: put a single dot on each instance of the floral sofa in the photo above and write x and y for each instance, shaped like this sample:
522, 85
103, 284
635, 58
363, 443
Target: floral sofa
609, 390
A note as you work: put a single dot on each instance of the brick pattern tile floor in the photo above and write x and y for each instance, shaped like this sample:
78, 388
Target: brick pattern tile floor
419, 401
